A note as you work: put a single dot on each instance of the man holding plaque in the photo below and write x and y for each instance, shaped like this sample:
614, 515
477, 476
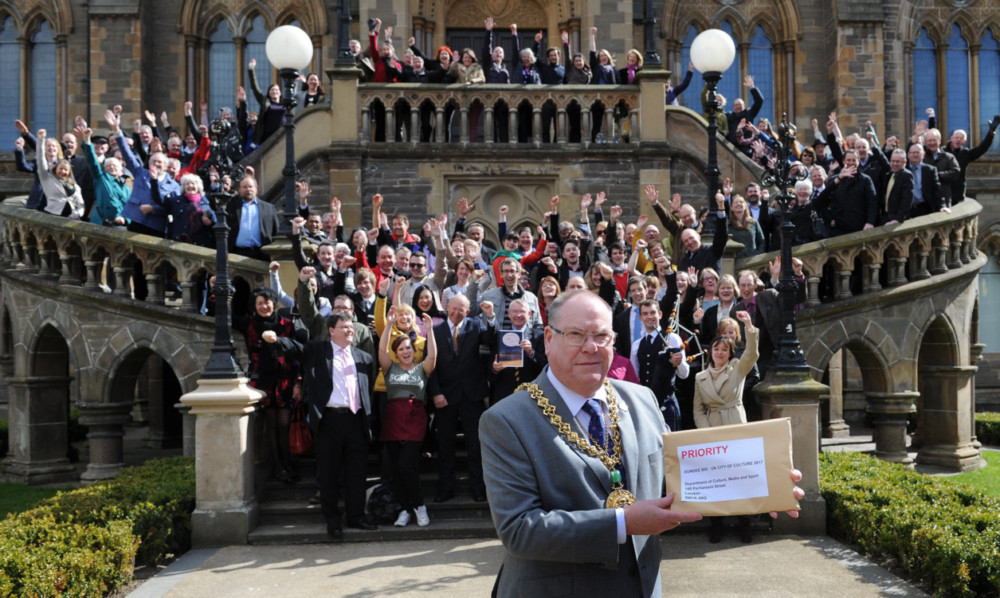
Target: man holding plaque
524, 343
573, 466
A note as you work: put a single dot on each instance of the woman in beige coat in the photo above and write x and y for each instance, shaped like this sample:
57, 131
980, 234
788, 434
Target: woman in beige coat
718, 390
718, 398
467, 71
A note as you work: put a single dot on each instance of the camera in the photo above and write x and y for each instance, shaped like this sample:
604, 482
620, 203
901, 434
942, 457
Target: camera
371, 24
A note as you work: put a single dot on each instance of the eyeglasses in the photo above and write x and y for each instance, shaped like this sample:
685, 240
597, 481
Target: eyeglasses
576, 338
415, 265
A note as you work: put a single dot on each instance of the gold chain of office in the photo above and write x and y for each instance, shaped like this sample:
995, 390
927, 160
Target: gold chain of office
619, 497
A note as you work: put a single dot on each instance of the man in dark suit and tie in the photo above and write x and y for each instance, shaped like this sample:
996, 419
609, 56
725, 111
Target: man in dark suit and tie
461, 378
897, 190
549, 493
927, 195
506, 379
253, 222
339, 381
628, 324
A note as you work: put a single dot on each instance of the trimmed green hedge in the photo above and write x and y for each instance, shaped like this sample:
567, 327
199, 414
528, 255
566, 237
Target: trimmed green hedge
942, 533
988, 428
84, 542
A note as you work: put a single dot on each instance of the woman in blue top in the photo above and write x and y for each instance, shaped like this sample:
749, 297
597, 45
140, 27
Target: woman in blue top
110, 188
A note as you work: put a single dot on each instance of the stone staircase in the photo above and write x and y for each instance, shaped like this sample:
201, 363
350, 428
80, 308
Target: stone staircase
287, 516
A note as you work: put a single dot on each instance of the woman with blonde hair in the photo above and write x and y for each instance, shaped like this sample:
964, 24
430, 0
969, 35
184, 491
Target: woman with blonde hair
548, 290
403, 324
633, 64
62, 194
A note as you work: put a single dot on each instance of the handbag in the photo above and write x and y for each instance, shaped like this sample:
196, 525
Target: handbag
300, 440
818, 228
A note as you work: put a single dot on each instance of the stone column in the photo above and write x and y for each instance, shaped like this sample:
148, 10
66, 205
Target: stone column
105, 435
187, 429
947, 429
39, 412
889, 411
226, 509
796, 395
835, 426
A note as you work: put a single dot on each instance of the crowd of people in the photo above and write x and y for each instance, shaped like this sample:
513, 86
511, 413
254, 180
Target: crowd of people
849, 183
400, 338
556, 64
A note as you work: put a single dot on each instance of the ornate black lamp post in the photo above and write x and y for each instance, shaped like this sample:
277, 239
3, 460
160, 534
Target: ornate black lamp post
222, 363
790, 357
712, 52
651, 59
344, 56
290, 50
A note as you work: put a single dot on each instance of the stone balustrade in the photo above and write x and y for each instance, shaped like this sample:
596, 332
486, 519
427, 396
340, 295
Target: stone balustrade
884, 257
457, 112
74, 253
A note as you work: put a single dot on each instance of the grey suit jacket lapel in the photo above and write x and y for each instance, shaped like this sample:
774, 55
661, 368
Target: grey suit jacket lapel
595, 464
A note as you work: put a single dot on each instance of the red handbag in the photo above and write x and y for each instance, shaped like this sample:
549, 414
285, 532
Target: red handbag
300, 440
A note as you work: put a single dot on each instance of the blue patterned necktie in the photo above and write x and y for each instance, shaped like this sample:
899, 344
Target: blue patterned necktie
596, 428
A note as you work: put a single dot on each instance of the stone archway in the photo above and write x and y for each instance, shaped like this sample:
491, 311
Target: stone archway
944, 424
40, 402
142, 386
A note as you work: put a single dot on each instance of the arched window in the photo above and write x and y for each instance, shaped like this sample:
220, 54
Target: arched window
957, 78
10, 78
989, 84
256, 40
221, 72
681, 70
730, 84
760, 64
924, 76
44, 84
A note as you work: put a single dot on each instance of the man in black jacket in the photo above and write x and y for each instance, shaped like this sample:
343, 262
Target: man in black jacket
551, 72
700, 256
740, 111
965, 155
852, 204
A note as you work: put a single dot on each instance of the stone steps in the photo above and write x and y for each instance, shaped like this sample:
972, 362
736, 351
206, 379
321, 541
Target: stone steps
287, 516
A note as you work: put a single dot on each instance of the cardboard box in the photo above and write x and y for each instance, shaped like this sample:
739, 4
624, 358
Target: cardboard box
740, 469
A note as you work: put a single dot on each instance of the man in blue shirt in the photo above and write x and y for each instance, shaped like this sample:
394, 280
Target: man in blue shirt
253, 222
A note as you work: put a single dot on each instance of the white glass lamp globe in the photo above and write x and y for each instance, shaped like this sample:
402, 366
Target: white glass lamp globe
288, 47
712, 51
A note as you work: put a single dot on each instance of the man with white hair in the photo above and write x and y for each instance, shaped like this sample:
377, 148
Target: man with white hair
946, 164
965, 155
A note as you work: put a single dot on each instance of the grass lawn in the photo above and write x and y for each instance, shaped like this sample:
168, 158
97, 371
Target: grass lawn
986, 479
15, 498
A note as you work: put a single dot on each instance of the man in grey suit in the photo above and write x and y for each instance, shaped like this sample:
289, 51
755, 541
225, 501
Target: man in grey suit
548, 494
551, 495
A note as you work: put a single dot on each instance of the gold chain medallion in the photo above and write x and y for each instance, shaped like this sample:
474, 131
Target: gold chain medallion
619, 497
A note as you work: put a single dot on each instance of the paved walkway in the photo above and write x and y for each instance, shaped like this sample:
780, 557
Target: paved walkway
775, 566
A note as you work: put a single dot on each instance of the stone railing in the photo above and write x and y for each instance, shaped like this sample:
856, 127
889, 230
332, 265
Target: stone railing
454, 112
74, 253
886, 256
